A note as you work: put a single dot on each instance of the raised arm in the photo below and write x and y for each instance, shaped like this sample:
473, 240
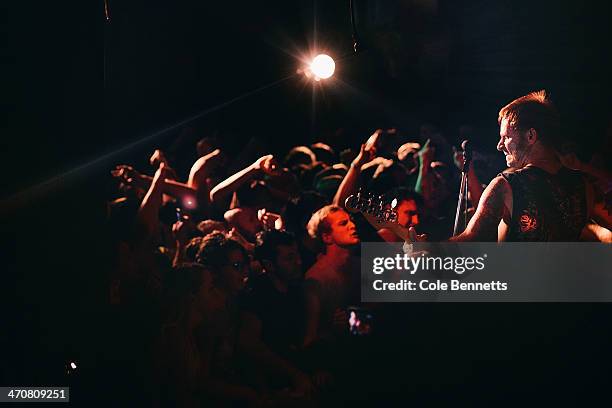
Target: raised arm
181, 191
170, 187
424, 184
203, 167
493, 204
148, 213
350, 182
265, 164
199, 177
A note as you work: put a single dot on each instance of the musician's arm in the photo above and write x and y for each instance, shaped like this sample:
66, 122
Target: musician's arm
484, 223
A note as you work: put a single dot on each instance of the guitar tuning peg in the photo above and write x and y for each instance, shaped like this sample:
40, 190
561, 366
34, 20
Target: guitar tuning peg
392, 216
380, 208
371, 203
351, 203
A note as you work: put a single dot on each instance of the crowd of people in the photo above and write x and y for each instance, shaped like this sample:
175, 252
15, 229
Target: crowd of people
242, 281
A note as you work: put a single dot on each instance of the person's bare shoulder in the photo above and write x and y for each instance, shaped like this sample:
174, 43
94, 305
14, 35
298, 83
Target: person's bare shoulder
315, 272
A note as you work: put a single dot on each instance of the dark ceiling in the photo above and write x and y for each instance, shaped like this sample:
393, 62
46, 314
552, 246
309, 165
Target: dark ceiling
158, 62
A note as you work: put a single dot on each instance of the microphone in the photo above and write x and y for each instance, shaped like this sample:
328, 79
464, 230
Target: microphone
467, 154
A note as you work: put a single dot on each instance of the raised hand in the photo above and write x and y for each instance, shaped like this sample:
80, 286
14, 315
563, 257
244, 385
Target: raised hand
183, 229
214, 159
270, 220
426, 154
125, 173
268, 165
407, 151
364, 156
157, 157
373, 141
162, 173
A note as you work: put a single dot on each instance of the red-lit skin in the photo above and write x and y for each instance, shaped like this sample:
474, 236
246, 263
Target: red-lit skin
332, 268
407, 216
407, 213
343, 232
513, 145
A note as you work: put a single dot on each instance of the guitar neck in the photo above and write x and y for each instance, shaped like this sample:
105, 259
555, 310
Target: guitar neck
400, 231
375, 212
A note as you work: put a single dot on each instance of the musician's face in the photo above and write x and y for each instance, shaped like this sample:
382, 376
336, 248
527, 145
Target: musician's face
512, 144
343, 232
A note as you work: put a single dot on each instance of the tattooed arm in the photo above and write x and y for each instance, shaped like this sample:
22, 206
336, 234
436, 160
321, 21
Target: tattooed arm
495, 203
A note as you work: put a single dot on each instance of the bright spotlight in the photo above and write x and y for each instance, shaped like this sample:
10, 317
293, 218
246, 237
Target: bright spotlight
322, 66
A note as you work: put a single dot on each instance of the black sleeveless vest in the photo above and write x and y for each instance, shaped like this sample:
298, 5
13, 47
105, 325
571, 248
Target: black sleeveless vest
546, 207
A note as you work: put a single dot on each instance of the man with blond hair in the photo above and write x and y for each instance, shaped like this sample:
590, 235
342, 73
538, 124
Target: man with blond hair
332, 282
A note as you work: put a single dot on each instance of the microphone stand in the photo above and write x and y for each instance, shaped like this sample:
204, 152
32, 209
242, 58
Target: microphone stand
356, 47
107, 25
463, 189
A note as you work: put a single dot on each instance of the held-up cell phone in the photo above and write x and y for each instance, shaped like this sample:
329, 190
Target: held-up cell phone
360, 321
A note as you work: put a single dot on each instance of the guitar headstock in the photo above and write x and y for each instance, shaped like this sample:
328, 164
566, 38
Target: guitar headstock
376, 207
379, 211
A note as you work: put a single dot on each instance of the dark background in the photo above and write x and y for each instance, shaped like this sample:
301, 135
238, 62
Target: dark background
79, 88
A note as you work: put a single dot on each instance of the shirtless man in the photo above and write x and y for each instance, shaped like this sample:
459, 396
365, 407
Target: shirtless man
332, 282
